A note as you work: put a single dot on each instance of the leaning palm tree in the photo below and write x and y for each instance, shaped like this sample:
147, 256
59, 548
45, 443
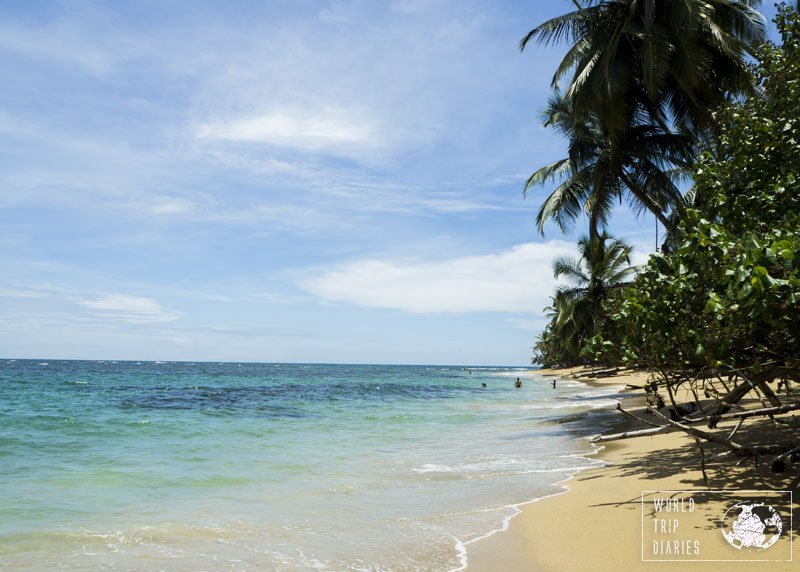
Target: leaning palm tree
643, 168
603, 264
575, 314
672, 59
560, 342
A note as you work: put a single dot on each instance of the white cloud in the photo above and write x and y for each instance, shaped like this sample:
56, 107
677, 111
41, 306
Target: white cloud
313, 129
517, 280
132, 309
172, 206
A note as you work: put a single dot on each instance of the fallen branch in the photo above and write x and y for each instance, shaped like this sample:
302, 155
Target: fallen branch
633, 434
747, 413
694, 431
632, 416
727, 443
779, 464
659, 429
735, 429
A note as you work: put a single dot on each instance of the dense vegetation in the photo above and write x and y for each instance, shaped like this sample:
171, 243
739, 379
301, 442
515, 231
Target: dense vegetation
715, 316
729, 295
725, 292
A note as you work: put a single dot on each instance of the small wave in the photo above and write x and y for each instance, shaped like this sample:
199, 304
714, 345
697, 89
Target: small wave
516, 509
609, 391
505, 372
469, 467
591, 404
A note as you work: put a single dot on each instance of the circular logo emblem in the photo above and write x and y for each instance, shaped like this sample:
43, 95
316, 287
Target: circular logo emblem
751, 525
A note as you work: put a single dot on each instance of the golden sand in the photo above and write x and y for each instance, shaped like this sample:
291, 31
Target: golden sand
602, 524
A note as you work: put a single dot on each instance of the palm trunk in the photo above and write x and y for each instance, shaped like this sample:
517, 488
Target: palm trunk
593, 232
640, 194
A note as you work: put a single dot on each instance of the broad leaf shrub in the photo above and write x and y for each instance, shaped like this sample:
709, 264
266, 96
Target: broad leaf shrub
729, 295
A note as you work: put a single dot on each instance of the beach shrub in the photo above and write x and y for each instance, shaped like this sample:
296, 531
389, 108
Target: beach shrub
730, 293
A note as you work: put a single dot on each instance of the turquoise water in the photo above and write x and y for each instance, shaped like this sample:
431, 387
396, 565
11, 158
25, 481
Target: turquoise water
205, 466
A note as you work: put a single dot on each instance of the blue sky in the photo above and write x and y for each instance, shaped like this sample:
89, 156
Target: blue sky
276, 181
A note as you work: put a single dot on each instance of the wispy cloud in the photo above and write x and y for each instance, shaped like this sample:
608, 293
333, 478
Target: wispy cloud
155, 147
515, 280
313, 129
172, 206
132, 309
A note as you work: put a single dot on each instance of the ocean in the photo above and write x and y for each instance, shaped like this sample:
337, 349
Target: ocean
246, 466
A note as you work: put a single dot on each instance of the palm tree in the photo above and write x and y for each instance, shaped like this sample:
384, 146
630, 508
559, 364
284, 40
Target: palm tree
642, 168
603, 264
575, 314
672, 59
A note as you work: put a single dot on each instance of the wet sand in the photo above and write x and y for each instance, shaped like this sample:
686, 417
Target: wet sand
602, 523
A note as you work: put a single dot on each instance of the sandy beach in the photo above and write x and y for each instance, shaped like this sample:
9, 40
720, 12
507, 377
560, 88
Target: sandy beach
602, 523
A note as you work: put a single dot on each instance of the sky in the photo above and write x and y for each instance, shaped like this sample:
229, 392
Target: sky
277, 181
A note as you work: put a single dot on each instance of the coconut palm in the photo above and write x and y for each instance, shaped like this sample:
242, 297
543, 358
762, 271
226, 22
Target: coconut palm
603, 263
672, 59
575, 314
642, 168
560, 342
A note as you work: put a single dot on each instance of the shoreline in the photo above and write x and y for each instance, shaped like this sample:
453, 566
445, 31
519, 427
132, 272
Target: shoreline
598, 521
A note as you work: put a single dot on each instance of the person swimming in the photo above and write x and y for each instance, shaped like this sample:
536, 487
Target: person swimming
518, 383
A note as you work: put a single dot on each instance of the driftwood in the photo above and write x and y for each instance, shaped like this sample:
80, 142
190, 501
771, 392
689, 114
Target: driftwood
724, 389
670, 427
748, 413
779, 462
633, 434
705, 435
632, 416
738, 393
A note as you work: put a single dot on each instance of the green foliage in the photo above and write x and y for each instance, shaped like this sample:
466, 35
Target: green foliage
577, 315
730, 293
596, 175
673, 60
641, 78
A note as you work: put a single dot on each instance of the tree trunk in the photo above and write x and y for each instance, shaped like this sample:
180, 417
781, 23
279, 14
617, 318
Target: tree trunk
640, 194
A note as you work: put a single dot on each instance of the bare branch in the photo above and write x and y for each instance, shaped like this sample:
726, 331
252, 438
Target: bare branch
639, 419
633, 434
